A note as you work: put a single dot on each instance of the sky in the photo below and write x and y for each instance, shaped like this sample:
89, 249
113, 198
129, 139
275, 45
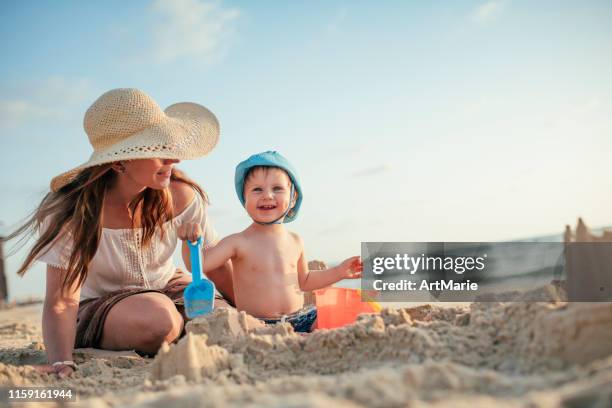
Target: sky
408, 121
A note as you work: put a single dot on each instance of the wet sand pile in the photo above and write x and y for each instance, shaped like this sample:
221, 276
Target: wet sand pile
515, 354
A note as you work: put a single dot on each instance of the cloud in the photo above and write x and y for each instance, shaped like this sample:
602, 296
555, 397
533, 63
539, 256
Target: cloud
12, 112
351, 150
341, 226
590, 105
488, 11
370, 171
583, 113
191, 29
53, 100
334, 26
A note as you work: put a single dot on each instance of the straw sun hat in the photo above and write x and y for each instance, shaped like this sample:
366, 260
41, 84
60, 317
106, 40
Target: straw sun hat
127, 124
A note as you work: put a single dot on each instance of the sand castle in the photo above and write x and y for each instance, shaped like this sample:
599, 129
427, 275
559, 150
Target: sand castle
190, 357
582, 233
588, 263
550, 353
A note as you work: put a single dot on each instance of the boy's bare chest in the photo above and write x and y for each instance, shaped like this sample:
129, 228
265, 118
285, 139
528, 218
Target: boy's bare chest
269, 257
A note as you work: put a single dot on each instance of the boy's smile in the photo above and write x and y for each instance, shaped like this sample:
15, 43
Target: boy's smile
267, 194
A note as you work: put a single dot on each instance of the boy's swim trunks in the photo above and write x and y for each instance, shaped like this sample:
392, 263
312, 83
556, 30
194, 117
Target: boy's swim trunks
302, 320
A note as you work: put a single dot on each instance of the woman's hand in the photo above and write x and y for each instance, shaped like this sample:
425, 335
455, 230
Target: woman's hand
189, 231
62, 371
351, 268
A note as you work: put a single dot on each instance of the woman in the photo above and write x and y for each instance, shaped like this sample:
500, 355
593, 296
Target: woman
109, 227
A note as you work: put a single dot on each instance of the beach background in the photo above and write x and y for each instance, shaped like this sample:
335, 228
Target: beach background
473, 120
446, 121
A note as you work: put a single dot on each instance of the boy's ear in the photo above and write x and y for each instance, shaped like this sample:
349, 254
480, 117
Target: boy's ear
294, 199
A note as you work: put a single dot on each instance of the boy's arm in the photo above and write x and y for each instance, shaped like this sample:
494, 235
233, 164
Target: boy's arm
312, 280
214, 257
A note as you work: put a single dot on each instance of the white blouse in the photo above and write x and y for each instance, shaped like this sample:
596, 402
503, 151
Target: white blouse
120, 262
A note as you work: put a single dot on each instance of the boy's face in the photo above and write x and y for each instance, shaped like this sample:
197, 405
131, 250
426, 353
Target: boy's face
267, 194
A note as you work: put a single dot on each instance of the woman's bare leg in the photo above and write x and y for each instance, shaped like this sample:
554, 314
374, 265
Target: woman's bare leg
142, 322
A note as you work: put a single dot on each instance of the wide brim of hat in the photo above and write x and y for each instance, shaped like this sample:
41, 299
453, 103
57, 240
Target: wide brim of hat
188, 131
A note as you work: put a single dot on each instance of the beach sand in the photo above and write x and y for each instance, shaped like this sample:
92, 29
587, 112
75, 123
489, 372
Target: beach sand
496, 354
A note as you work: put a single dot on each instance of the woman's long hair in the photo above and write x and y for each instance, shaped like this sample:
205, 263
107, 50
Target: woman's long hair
76, 209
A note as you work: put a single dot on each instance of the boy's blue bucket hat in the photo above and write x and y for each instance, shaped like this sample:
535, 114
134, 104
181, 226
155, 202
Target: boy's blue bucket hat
269, 159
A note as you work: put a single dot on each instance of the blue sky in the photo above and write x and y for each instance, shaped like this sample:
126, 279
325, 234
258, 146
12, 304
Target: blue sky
408, 121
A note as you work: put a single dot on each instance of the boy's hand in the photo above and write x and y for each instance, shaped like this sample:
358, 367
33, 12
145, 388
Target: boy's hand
189, 231
351, 268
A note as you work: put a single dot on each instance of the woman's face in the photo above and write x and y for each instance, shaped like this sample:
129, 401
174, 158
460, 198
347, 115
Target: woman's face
152, 173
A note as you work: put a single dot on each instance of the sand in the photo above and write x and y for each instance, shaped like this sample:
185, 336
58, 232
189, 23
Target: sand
502, 354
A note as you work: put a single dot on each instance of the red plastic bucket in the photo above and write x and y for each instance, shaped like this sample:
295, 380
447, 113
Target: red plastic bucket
337, 307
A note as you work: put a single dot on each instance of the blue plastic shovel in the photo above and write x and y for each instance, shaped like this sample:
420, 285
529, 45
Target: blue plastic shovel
199, 296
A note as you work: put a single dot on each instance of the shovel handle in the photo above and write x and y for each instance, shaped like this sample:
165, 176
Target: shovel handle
194, 256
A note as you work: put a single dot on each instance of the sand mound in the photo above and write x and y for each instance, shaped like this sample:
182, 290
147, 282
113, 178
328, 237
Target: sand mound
519, 353
223, 326
192, 358
575, 333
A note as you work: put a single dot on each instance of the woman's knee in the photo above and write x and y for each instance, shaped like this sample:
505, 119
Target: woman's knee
163, 324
